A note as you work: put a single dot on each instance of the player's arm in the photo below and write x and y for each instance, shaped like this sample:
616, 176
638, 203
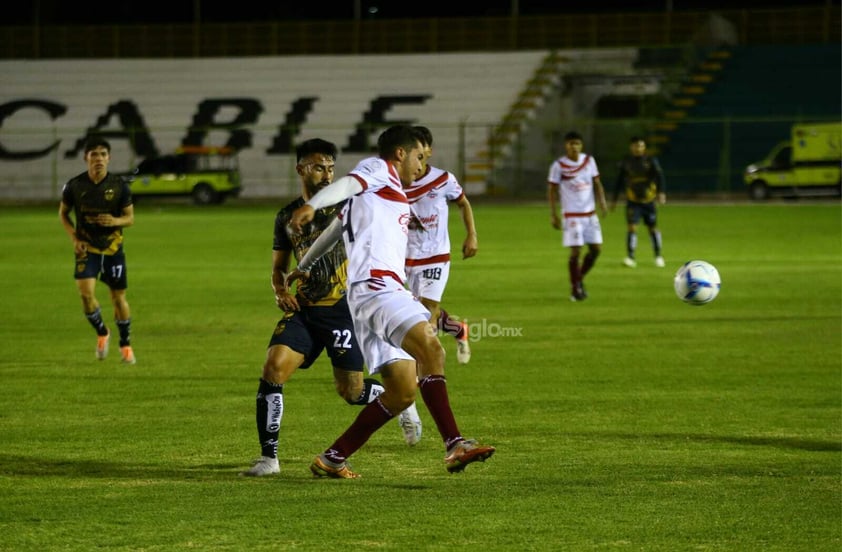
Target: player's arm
125, 219
64, 209
660, 184
323, 244
469, 246
332, 194
552, 197
600, 195
284, 297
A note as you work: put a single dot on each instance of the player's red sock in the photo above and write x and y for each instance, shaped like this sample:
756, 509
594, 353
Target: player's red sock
370, 419
434, 392
587, 264
450, 325
575, 272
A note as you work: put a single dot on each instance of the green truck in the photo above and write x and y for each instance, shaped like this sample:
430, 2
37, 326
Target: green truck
206, 174
808, 164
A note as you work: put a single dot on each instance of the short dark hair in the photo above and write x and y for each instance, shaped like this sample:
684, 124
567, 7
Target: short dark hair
635, 139
425, 134
572, 135
315, 145
397, 136
93, 142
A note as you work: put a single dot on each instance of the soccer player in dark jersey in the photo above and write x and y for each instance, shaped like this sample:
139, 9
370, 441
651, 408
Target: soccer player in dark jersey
641, 177
315, 318
101, 206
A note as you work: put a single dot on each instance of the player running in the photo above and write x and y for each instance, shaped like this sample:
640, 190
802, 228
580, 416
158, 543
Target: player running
102, 207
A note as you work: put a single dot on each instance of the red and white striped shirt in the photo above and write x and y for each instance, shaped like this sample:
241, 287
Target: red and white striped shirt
375, 222
428, 202
575, 182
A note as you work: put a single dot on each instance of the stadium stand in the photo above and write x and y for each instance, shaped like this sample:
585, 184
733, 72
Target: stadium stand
737, 104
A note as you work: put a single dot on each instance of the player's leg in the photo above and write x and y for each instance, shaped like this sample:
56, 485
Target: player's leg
594, 249
123, 320
430, 357
380, 318
289, 348
575, 270
632, 217
115, 276
651, 220
428, 282
87, 268
573, 237
593, 237
458, 329
400, 385
333, 329
354, 388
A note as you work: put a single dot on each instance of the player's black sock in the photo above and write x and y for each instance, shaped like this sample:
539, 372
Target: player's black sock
269, 411
95, 318
656, 242
124, 327
371, 390
631, 244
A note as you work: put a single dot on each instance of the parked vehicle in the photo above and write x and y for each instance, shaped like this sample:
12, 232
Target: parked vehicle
207, 174
809, 163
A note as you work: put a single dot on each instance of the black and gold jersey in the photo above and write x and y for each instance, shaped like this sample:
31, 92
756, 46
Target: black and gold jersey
87, 200
641, 177
328, 277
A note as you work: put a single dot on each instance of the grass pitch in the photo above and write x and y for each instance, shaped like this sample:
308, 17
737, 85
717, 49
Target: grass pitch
630, 421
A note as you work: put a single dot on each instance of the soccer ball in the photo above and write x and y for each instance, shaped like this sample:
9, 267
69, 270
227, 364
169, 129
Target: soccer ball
697, 282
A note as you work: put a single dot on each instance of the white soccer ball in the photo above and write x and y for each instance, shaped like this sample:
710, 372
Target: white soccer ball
697, 282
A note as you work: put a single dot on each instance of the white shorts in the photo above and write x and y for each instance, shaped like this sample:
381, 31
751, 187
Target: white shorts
579, 230
429, 280
382, 318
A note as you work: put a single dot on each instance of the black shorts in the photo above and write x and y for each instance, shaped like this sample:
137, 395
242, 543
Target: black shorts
645, 211
313, 329
111, 269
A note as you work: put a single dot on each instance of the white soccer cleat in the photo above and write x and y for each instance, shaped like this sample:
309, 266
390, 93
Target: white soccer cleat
410, 424
659, 262
629, 262
263, 466
463, 348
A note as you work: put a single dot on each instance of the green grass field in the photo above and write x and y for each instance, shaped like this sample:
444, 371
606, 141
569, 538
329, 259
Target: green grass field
630, 421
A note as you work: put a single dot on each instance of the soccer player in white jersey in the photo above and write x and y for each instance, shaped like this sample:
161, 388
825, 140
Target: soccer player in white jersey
392, 326
428, 256
575, 177
428, 251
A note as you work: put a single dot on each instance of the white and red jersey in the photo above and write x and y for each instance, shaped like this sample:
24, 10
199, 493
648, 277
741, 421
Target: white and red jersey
575, 182
429, 239
374, 223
